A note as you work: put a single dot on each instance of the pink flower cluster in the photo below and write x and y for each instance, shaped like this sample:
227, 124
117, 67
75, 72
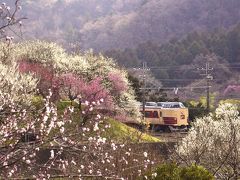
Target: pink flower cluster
69, 85
76, 88
232, 89
45, 74
118, 85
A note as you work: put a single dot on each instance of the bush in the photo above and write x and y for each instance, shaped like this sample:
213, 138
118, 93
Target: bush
166, 172
196, 109
196, 173
174, 172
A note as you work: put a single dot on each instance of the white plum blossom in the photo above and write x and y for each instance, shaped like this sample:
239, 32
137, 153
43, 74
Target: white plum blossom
154, 175
51, 154
212, 139
98, 116
145, 154
128, 153
28, 161
87, 103
114, 147
8, 18
62, 129
96, 128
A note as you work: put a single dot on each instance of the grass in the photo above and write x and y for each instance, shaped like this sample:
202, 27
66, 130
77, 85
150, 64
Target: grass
121, 132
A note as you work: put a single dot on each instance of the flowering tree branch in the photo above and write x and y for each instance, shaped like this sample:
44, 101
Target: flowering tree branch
9, 18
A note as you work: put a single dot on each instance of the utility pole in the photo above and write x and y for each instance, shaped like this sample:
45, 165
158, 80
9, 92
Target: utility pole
208, 77
144, 70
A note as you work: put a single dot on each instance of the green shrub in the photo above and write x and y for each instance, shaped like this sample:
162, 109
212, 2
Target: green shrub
196, 173
166, 172
174, 172
38, 102
196, 109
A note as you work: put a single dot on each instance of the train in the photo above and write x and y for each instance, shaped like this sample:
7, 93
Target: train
166, 116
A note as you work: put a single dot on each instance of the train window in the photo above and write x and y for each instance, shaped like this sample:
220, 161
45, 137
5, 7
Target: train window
160, 104
151, 104
151, 114
181, 105
155, 114
175, 106
148, 114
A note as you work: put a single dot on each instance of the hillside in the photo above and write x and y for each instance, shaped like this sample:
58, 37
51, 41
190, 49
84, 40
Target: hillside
123, 133
176, 63
104, 24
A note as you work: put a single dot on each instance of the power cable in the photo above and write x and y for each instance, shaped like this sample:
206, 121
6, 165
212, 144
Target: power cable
230, 65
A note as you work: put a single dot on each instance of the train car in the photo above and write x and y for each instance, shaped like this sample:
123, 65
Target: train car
171, 116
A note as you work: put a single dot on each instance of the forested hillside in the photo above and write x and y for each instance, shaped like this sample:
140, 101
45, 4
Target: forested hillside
177, 54
176, 63
107, 24
46, 20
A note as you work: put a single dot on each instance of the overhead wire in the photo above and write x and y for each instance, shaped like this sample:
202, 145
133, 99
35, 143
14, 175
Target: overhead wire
230, 65
186, 67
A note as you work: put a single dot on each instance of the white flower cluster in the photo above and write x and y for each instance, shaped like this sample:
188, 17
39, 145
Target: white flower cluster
213, 141
19, 86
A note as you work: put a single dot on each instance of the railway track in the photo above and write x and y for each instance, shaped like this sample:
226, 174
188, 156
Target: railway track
169, 137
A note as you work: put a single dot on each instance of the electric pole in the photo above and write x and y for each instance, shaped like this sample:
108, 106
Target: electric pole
144, 70
208, 77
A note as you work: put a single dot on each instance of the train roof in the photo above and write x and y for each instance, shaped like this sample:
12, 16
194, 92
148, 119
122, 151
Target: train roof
164, 105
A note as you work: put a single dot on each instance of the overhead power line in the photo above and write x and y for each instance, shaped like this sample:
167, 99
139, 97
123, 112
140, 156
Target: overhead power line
174, 88
185, 68
182, 80
189, 66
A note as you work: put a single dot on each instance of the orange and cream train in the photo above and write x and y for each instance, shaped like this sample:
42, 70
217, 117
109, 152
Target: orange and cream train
168, 116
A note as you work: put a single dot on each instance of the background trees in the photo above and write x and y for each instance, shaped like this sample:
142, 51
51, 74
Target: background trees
175, 63
104, 25
176, 55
